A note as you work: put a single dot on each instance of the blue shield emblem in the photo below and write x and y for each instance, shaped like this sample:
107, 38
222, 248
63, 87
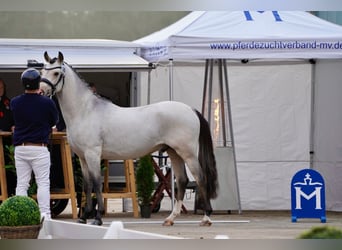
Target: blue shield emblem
308, 195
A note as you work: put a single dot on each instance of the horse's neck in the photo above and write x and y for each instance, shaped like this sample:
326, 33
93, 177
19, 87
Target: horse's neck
74, 96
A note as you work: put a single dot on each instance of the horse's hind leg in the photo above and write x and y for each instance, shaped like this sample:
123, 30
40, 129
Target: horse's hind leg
207, 208
181, 182
201, 180
94, 162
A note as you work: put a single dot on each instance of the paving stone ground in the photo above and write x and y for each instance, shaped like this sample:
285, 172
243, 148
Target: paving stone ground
234, 225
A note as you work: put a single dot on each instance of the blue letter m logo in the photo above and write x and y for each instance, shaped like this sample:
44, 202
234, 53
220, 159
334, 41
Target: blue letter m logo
250, 18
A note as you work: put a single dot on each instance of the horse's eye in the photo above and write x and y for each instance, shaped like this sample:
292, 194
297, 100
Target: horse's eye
56, 73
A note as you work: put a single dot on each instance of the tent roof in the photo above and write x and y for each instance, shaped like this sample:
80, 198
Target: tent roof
245, 34
89, 54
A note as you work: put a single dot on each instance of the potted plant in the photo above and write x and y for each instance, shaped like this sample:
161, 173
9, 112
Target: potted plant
145, 185
11, 174
19, 218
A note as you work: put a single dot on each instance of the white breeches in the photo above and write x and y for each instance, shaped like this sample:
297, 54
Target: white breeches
36, 159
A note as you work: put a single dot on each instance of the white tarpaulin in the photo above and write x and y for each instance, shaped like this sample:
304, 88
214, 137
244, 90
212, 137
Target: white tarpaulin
276, 121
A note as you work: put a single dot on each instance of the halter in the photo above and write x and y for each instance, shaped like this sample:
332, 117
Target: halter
61, 77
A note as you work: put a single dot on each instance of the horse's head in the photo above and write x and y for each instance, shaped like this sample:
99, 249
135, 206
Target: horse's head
52, 78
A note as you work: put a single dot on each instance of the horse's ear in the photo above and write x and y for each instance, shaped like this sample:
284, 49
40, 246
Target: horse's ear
47, 57
60, 57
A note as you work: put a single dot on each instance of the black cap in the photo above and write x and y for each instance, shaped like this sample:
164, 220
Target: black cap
30, 79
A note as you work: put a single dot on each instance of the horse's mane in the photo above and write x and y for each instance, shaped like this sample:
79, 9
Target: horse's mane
53, 60
81, 79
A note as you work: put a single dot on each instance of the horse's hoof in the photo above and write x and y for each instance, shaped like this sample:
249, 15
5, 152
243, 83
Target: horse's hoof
168, 223
206, 223
82, 221
97, 222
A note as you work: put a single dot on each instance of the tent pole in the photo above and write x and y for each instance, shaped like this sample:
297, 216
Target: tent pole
211, 69
205, 85
149, 87
171, 80
312, 112
230, 121
223, 117
171, 99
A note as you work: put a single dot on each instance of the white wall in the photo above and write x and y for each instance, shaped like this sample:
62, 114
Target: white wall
328, 129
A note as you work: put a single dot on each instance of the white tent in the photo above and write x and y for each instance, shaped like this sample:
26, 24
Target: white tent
245, 34
284, 106
111, 64
97, 54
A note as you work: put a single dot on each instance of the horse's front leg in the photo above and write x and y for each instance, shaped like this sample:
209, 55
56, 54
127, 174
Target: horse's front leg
92, 171
88, 205
100, 205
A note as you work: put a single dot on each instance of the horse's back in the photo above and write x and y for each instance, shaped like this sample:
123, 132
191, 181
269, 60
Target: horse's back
166, 113
170, 108
176, 121
162, 110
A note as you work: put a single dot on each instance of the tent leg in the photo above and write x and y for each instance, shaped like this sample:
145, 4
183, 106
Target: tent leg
210, 95
149, 88
205, 85
230, 121
223, 117
312, 112
171, 98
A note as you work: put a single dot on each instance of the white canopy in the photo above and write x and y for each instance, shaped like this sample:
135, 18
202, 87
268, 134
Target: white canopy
80, 53
245, 34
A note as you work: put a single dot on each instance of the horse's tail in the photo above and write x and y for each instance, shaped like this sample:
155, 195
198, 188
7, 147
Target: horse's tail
206, 158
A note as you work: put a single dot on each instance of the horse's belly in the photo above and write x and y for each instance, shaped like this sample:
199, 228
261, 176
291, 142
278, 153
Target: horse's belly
128, 152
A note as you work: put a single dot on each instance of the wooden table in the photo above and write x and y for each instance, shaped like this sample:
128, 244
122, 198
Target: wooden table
68, 192
3, 181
